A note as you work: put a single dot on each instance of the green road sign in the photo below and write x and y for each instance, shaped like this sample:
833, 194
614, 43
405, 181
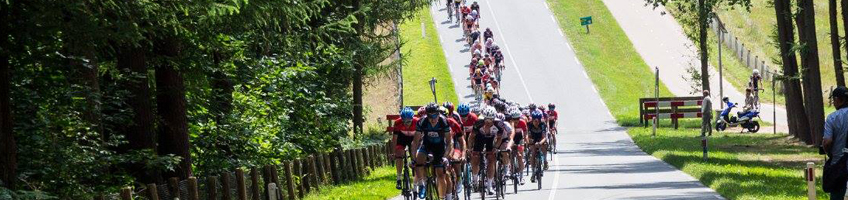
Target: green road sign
585, 20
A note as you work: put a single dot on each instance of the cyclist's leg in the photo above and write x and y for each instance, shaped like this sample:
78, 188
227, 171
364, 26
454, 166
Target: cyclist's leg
490, 157
420, 161
505, 155
439, 164
399, 156
475, 158
520, 156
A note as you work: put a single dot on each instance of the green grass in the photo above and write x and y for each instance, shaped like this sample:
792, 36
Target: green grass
424, 59
606, 53
754, 29
742, 166
380, 184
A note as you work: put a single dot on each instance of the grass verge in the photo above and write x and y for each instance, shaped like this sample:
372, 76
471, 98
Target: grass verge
740, 166
749, 166
424, 59
380, 184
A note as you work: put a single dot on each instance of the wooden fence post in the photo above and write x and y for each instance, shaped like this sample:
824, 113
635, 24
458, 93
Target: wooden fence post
254, 183
367, 161
126, 193
342, 166
287, 167
349, 170
299, 173
152, 192
272, 191
193, 193
266, 179
174, 184
359, 160
225, 186
275, 178
334, 169
240, 187
212, 188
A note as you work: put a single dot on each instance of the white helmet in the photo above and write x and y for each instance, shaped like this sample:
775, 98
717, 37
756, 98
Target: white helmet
513, 112
489, 113
756, 72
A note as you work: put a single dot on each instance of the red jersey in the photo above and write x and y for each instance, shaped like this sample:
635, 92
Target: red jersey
521, 126
404, 130
552, 115
466, 10
468, 122
456, 129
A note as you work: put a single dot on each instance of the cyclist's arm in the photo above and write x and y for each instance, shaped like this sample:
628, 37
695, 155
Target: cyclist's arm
417, 141
448, 142
463, 145
545, 133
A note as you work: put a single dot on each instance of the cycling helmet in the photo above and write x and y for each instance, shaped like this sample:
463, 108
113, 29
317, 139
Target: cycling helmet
499, 106
536, 114
531, 106
756, 72
406, 113
474, 12
432, 108
421, 111
480, 62
551, 106
501, 116
443, 110
725, 99
542, 108
514, 113
463, 109
477, 52
449, 106
489, 113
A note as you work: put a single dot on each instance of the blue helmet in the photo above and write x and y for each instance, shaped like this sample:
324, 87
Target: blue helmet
463, 109
536, 114
406, 113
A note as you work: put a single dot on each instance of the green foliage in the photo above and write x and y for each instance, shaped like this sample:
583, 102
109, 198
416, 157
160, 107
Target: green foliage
265, 80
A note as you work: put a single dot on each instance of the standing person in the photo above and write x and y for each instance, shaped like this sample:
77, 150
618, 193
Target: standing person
756, 81
707, 114
834, 139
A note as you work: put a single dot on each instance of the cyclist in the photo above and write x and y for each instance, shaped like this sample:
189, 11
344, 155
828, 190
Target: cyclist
488, 34
465, 11
553, 115
475, 6
450, 112
520, 127
404, 133
457, 155
467, 117
483, 137
505, 140
432, 138
537, 130
421, 112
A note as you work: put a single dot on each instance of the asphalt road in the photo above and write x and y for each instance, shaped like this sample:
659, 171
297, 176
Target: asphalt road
597, 159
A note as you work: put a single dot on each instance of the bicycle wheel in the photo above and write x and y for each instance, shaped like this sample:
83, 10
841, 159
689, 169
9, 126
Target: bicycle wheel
539, 170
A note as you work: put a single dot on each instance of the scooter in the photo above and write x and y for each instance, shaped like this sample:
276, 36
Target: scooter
745, 119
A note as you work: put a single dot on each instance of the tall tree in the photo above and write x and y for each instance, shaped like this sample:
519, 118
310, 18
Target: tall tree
797, 116
132, 60
811, 72
703, 21
171, 106
8, 146
835, 43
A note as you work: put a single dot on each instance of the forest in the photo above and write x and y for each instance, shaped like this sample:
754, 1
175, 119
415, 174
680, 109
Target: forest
100, 94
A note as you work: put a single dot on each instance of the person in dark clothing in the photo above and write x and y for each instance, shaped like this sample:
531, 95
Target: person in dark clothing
835, 133
487, 34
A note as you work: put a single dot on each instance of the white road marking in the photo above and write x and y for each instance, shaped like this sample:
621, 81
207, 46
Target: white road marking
509, 52
553, 19
546, 5
596, 90
552, 195
561, 35
578, 62
566, 44
585, 75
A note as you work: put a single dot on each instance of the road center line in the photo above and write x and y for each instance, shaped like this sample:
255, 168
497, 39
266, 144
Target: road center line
509, 52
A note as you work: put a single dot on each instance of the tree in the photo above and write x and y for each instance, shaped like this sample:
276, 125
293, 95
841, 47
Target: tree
694, 16
813, 100
797, 116
835, 43
8, 146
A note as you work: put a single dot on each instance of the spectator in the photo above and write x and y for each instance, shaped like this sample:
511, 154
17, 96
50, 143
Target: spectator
707, 114
834, 137
756, 82
750, 100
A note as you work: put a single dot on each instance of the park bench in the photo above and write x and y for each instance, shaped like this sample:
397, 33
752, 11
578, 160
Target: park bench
673, 108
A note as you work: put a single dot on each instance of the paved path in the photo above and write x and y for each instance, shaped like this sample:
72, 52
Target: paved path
661, 42
597, 158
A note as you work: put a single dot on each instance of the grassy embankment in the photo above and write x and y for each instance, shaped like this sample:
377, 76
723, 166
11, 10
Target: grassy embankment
742, 166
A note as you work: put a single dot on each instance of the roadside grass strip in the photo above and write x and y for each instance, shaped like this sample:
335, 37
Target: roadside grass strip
380, 184
423, 60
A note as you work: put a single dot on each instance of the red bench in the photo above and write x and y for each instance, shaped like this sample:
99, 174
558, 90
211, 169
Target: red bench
670, 108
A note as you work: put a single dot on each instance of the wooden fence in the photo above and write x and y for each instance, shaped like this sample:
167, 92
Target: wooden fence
292, 179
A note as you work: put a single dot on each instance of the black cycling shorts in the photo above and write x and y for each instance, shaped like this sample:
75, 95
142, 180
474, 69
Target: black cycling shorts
438, 152
519, 138
404, 140
484, 142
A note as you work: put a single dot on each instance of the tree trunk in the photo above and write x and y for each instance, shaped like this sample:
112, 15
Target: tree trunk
797, 116
811, 72
8, 147
171, 104
705, 67
357, 79
139, 134
835, 44
222, 90
844, 3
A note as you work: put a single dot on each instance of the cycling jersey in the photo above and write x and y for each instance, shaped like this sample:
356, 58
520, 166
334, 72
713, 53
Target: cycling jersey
488, 34
468, 122
537, 132
434, 137
475, 7
456, 131
405, 134
485, 138
520, 129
